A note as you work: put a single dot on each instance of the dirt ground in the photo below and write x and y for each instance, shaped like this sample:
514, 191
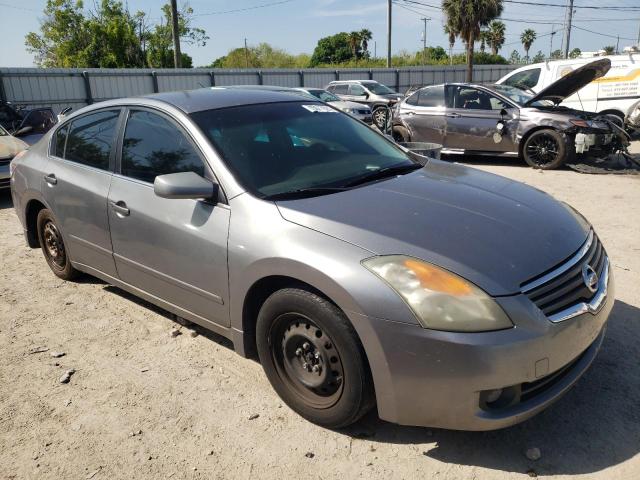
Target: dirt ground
144, 405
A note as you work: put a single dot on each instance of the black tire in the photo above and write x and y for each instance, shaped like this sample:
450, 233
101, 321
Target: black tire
401, 134
298, 331
53, 247
546, 149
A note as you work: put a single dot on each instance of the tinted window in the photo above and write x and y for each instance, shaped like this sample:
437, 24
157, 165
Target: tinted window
340, 89
282, 147
432, 97
413, 99
91, 138
525, 79
155, 146
357, 90
59, 142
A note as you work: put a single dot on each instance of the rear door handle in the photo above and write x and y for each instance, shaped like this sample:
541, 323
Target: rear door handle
120, 208
51, 179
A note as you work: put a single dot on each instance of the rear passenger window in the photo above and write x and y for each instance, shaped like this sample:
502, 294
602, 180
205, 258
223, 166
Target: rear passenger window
340, 89
155, 146
60, 140
90, 139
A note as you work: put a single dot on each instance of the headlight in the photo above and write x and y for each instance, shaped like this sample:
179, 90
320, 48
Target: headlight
582, 123
439, 299
352, 111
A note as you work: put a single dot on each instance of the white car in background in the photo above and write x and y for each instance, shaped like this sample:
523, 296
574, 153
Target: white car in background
10, 146
614, 93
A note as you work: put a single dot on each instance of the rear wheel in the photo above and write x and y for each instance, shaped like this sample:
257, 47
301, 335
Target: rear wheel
400, 134
546, 149
379, 116
313, 358
53, 246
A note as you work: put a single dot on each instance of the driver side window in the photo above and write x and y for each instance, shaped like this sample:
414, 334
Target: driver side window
468, 98
357, 90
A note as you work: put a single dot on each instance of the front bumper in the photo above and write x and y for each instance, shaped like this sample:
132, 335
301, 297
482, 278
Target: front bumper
5, 175
440, 379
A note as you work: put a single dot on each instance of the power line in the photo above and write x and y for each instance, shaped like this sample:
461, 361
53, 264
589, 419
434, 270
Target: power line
237, 10
604, 34
18, 8
593, 7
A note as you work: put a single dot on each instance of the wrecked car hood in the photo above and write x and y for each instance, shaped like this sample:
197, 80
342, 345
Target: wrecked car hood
572, 82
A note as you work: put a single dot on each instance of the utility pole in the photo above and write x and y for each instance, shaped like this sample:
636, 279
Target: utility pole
424, 40
617, 44
567, 32
177, 56
553, 32
246, 54
389, 34
375, 49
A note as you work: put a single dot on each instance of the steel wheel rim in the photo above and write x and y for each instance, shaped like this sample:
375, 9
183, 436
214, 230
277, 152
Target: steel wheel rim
543, 150
53, 244
306, 360
380, 117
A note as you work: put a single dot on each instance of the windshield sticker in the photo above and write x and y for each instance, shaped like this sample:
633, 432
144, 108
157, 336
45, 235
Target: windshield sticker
319, 108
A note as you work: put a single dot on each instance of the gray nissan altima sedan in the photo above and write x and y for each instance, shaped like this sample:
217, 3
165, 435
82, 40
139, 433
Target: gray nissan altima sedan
358, 273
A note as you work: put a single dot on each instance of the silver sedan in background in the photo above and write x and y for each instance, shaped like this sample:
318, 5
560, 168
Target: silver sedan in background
357, 273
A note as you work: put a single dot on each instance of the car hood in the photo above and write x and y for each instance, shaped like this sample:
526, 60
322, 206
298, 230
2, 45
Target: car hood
493, 231
573, 81
10, 146
342, 104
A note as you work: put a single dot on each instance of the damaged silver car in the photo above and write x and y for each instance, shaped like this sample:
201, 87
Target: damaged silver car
510, 121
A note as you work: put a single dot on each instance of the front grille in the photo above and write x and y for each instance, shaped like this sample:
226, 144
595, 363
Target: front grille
364, 112
5, 161
563, 286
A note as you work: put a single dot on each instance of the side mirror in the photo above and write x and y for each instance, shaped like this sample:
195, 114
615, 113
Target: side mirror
23, 131
365, 95
184, 185
503, 112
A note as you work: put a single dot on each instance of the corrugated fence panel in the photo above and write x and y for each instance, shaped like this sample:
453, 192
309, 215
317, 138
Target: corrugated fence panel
59, 88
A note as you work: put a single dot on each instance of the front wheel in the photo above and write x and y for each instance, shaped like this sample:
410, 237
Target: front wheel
546, 149
380, 117
313, 358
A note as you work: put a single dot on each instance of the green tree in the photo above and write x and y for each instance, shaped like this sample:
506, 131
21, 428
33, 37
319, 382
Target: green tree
484, 40
332, 49
527, 38
365, 38
539, 57
261, 56
496, 35
63, 35
609, 49
466, 17
515, 57
160, 39
354, 43
575, 53
451, 34
557, 55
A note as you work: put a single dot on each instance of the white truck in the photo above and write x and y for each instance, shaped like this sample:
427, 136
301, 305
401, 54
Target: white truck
615, 93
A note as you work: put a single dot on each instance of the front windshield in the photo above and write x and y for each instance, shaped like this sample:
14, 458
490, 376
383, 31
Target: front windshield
281, 147
324, 95
519, 95
377, 88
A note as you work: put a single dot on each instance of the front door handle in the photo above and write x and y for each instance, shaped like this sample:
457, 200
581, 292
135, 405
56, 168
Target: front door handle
51, 179
120, 208
453, 115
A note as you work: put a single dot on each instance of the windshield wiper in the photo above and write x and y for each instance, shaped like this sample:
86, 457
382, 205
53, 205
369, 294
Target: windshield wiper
383, 173
303, 193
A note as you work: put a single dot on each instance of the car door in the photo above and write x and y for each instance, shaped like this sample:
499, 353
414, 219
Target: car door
423, 113
357, 93
173, 249
472, 116
76, 185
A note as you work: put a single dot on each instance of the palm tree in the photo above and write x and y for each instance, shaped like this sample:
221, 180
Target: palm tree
527, 38
609, 50
354, 43
452, 41
365, 36
466, 17
496, 36
484, 39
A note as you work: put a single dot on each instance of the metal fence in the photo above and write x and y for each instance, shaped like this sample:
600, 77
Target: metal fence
59, 87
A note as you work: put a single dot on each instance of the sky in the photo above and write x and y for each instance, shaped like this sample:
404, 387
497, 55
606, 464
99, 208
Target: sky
296, 25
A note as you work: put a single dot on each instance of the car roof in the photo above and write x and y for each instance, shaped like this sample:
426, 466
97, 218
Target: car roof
353, 81
191, 101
